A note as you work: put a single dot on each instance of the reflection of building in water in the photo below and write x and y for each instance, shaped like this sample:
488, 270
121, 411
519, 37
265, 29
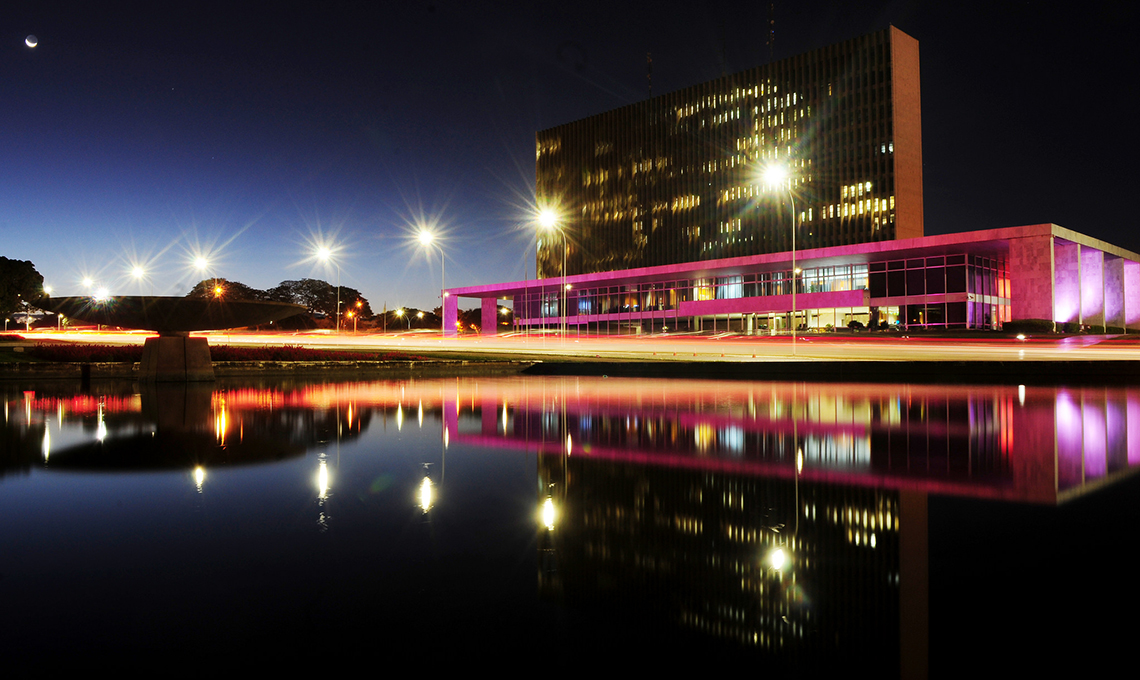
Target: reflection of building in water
672, 496
1028, 444
1041, 444
695, 547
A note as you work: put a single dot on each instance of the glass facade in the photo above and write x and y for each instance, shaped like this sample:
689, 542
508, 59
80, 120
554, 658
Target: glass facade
679, 177
946, 291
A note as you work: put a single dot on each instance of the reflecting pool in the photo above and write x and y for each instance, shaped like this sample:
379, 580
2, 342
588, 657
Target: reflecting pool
570, 522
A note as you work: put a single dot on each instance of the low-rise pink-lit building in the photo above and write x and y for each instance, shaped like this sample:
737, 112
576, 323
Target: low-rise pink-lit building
977, 280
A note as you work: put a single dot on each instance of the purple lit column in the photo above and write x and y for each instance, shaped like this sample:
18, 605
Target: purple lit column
1031, 278
1132, 295
450, 315
1092, 286
1066, 282
1114, 292
490, 318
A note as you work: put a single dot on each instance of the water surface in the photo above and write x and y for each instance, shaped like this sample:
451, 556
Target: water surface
570, 521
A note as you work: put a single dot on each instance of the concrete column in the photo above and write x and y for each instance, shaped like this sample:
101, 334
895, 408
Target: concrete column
1030, 280
176, 357
1067, 283
1092, 287
450, 315
1132, 295
1114, 292
490, 319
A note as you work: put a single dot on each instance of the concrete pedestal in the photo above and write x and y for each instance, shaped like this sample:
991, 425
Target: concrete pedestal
176, 358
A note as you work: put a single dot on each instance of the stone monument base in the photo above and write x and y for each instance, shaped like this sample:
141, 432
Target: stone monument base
176, 357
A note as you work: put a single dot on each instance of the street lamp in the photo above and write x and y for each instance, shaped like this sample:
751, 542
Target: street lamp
776, 175
400, 314
428, 239
139, 273
325, 254
548, 220
202, 264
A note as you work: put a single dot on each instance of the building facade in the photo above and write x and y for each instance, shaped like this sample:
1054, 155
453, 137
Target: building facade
681, 177
972, 280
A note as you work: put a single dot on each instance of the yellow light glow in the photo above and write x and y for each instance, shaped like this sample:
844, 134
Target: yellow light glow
777, 559
775, 174
199, 476
548, 513
425, 494
547, 218
426, 237
323, 480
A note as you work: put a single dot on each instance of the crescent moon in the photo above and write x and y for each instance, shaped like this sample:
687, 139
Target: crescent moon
31, 41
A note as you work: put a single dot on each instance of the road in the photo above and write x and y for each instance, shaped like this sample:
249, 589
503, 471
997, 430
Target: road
678, 348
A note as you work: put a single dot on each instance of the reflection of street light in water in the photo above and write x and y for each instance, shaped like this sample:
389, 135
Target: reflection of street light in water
776, 559
426, 495
548, 513
199, 477
322, 491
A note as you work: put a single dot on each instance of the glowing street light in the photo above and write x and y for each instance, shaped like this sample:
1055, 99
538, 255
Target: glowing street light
325, 255
202, 264
548, 220
428, 239
139, 274
776, 175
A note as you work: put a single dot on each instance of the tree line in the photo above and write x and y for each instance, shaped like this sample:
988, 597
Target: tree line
317, 296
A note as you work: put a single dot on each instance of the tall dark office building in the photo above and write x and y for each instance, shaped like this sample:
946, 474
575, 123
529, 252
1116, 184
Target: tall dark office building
680, 177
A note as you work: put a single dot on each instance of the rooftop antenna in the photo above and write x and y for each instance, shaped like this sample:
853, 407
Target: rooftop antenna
649, 71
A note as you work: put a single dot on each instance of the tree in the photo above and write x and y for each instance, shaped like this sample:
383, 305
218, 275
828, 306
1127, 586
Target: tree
19, 283
320, 297
226, 290
317, 296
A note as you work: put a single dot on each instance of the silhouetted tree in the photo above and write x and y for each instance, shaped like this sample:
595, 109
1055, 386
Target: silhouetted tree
19, 283
319, 297
229, 290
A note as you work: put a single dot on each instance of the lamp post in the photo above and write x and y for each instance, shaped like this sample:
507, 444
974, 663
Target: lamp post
427, 239
548, 220
324, 253
776, 175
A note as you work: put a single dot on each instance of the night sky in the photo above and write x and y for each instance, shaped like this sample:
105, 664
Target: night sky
139, 135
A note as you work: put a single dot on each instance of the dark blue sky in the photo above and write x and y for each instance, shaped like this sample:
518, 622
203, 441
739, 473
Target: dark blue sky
134, 133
